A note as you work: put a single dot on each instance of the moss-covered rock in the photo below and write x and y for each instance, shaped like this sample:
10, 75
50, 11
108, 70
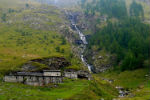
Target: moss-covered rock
53, 63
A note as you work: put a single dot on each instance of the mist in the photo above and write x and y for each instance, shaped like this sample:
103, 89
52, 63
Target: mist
60, 3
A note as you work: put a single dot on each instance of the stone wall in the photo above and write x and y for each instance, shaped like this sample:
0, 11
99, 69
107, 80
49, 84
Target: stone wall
45, 77
10, 79
52, 73
72, 75
78, 74
33, 80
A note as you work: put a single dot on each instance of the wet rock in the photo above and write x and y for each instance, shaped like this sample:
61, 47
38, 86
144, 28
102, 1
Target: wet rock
108, 80
78, 42
146, 75
100, 57
122, 92
102, 99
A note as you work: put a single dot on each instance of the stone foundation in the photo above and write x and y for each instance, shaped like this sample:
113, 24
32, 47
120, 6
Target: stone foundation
72, 75
33, 80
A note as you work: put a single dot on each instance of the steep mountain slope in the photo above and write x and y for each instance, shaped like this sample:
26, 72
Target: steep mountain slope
118, 16
60, 3
119, 38
29, 30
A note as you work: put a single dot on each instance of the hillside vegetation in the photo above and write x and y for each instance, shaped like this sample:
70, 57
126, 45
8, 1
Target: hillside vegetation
29, 30
124, 34
32, 32
129, 40
120, 34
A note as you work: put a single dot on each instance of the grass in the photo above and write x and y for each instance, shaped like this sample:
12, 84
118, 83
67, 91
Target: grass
16, 48
141, 93
16, 3
127, 79
69, 90
65, 90
83, 89
21, 42
135, 81
23, 39
97, 90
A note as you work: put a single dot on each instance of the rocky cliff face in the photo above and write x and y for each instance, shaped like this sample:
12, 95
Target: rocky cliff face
101, 60
53, 63
36, 17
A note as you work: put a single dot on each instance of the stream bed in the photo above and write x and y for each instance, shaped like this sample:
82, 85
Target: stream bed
82, 38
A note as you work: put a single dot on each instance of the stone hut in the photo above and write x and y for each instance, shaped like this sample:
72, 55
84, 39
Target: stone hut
71, 75
84, 75
35, 78
77, 74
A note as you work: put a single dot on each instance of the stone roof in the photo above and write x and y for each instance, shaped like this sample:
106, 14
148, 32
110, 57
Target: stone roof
51, 70
29, 74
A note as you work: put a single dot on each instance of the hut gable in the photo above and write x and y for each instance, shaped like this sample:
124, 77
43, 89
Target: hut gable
29, 74
72, 75
52, 73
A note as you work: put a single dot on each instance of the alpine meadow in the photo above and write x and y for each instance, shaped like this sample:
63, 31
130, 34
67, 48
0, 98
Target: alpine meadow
74, 49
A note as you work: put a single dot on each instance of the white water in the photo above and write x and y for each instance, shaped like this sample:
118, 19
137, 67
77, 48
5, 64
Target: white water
83, 38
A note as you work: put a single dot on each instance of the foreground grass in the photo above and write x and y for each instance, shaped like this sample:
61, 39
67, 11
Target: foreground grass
15, 91
98, 89
69, 90
95, 89
135, 81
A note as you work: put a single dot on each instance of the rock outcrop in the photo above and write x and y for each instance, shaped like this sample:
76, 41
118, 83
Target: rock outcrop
101, 60
53, 63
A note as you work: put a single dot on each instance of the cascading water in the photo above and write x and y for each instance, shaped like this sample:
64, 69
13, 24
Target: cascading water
83, 38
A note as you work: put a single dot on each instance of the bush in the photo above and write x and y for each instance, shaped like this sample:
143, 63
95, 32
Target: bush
3, 17
57, 49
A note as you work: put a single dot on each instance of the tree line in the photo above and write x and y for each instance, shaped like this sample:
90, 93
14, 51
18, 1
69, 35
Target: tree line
128, 38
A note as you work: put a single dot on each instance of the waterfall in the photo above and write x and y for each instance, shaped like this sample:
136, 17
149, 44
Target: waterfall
83, 38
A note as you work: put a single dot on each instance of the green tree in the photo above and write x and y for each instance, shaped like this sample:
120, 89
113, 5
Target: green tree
136, 9
63, 41
57, 49
3, 17
27, 5
62, 51
128, 35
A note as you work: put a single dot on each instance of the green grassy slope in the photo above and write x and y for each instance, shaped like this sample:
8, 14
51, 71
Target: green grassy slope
16, 3
31, 32
95, 89
24, 92
68, 90
135, 81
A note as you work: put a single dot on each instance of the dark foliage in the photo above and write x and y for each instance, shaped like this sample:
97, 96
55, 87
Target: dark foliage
129, 39
136, 9
112, 8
